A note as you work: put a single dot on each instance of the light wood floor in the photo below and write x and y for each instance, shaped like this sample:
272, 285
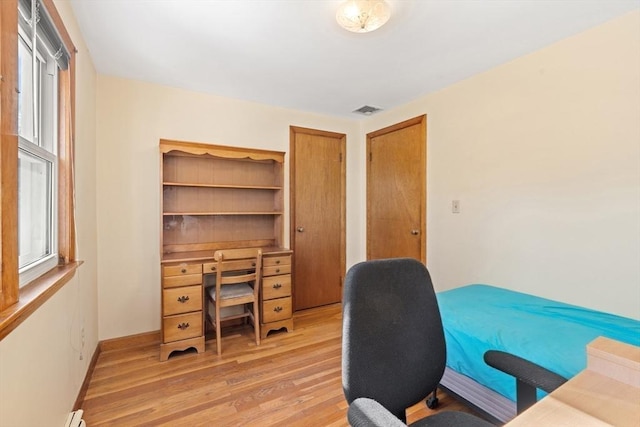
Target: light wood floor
291, 379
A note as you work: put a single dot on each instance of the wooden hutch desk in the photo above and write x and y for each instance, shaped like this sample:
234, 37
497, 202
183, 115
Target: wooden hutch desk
217, 197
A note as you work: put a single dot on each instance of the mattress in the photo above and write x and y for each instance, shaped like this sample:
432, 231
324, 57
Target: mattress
477, 318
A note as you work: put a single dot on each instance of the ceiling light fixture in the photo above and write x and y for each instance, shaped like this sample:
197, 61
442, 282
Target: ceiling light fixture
362, 16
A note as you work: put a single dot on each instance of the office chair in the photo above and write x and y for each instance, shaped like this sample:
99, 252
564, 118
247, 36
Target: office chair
393, 348
528, 375
237, 284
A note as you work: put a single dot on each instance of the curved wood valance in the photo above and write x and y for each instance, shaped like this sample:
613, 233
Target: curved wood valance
198, 148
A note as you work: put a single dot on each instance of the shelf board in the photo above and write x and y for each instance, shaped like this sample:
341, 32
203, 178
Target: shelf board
242, 187
220, 213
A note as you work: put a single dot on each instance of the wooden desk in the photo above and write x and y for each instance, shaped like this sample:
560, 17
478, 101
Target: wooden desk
606, 393
184, 309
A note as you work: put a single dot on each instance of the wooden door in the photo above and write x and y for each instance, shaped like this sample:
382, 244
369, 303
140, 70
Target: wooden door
396, 191
318, 191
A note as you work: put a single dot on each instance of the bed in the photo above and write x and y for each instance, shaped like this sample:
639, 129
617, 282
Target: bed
477, 318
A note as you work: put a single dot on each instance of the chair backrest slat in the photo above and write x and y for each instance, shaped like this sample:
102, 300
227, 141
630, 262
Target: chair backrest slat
240, 278
247, 261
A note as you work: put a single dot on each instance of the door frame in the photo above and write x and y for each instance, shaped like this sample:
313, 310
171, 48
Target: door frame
422, 121
293, 130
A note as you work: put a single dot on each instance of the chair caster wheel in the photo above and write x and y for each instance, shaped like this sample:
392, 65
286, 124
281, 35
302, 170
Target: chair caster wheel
432, 402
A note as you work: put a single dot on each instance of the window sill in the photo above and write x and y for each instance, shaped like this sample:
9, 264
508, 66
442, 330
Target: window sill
34, 294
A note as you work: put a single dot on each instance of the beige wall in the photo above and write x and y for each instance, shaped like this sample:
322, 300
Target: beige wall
41, 370
542, 152
132, 117
544, 155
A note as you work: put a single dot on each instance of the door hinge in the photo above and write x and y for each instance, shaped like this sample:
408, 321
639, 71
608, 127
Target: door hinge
340, 157
370, 156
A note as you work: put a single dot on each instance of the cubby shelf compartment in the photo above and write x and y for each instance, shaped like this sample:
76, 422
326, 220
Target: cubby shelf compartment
214, 193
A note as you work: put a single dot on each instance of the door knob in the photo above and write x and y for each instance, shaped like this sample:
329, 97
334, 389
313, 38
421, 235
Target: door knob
415, 232
300, 229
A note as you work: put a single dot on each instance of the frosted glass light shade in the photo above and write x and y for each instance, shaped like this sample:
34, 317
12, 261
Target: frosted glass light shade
362, 16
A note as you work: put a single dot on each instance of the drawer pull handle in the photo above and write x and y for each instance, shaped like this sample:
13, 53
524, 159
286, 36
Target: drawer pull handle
277, 270
183, 299
184, 270
277, 309
182, 326
278, 261
277, 286
253, 264
213, 268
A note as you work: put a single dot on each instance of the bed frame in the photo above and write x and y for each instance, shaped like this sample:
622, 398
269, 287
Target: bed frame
493, 404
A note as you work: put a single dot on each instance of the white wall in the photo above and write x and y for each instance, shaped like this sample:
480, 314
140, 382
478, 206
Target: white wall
40, 367
544, 155
132, 117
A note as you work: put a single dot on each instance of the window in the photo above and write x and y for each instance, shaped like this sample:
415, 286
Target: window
38, 71
37, 225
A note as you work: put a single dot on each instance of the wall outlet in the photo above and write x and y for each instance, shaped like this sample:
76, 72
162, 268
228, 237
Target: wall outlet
455, 206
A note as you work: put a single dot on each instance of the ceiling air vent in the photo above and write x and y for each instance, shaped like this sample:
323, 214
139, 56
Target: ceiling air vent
367, 110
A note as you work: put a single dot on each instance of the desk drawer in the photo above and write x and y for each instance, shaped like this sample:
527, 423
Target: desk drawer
276, 287
181, 270
275, 270
185, 280
181, 300
276, 309
174, 276
209, 268
242, 264
270, 261
182, 326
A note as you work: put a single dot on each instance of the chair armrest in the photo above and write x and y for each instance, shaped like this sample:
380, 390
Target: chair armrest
524, 370
529, 376
365, 412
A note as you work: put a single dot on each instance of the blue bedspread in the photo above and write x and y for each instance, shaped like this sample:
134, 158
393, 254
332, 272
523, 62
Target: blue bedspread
478, 318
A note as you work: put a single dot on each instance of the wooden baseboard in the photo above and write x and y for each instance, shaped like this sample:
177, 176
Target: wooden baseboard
87, 378
108, 345
130, 341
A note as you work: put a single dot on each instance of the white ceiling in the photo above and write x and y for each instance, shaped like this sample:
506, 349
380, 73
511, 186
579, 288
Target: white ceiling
292, 53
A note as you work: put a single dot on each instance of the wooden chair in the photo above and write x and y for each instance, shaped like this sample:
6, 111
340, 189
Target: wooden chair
237, 284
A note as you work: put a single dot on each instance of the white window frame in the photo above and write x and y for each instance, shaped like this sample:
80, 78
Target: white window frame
43, 115
18, 304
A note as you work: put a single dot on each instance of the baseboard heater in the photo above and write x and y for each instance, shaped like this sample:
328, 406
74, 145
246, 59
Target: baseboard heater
75, 419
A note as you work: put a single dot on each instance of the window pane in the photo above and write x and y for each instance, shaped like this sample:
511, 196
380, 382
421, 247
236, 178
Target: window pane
25, 94
49, 105
34, 208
